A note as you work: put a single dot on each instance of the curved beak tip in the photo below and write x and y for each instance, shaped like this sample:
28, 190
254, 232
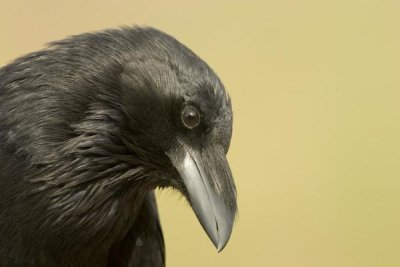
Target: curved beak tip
220, 232
219, 243
223, 240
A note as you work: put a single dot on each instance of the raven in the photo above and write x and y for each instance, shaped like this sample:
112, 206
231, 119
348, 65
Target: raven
89, 127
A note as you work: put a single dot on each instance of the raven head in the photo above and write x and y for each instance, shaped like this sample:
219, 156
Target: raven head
181, 120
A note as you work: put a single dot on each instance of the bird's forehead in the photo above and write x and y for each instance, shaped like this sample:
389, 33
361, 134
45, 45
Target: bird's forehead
184, 77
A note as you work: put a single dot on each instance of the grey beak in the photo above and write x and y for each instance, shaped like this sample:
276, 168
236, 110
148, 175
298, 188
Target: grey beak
210, 187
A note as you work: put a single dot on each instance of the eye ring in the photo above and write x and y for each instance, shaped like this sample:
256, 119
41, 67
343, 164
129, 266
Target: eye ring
190, 117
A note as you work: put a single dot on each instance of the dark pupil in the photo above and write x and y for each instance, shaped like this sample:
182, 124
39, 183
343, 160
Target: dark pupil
191, 117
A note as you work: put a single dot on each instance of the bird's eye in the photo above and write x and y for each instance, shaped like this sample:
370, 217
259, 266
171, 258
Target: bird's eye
190, 117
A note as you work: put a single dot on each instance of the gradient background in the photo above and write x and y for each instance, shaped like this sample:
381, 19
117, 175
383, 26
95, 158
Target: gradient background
316, 146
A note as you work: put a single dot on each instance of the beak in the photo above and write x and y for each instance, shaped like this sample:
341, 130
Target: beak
210, 188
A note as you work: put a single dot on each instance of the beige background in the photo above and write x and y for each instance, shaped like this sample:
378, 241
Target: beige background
316, 146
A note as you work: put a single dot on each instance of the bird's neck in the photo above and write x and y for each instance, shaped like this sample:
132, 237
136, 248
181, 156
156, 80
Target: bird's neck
82, 225
80, 200
84, 203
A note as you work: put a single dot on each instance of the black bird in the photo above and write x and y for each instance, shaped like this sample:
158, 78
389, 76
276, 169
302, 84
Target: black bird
89, 127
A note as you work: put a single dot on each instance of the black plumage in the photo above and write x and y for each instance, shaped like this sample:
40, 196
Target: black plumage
89, 127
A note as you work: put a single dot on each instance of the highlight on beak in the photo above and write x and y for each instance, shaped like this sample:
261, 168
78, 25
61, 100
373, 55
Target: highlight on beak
210, 187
